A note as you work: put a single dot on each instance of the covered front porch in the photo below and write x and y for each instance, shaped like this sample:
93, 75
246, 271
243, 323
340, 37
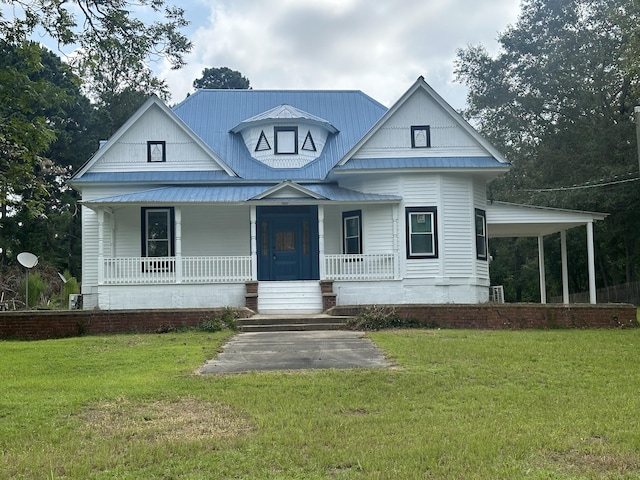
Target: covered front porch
238, 243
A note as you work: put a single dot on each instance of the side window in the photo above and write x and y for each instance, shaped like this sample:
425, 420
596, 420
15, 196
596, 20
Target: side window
422, 239
352, 232
481, 234
157, 232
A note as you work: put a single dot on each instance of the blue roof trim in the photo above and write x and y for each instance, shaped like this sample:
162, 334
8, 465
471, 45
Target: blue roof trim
155, 176
211, 114
234, 194
422, 162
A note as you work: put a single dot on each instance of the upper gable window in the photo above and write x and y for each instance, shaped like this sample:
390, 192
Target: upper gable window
420, 136
156, 151
263, 143
308, 144
286, 140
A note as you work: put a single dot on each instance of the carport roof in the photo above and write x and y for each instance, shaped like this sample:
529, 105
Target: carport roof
514, 220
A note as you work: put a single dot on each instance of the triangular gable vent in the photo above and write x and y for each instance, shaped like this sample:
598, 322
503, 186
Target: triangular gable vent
263, 143
309, 144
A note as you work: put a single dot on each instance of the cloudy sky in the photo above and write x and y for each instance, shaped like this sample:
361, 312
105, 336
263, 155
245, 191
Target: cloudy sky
377, 46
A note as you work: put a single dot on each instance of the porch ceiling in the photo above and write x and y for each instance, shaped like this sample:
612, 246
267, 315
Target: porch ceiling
513, 220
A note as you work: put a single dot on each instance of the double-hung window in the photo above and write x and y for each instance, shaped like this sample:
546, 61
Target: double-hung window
481, 234
352, 232
422, 238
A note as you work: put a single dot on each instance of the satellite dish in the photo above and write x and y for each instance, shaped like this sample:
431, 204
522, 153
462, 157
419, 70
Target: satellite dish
27, 260
64, 280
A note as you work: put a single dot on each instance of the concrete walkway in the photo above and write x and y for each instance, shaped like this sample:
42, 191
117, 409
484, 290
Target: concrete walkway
296, 351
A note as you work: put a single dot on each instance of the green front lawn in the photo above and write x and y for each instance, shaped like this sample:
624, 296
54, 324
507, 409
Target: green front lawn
458, 404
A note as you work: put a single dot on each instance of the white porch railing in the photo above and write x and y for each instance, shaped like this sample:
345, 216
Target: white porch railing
159, 270
380, 266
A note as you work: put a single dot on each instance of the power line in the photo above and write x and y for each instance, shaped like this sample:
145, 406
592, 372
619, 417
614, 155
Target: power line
581, 187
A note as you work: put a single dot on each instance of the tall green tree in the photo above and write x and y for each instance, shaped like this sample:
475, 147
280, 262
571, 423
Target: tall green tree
558, 99
222, 77
39, 211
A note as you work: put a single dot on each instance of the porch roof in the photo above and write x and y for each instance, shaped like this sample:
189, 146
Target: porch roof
514, 220
239, 194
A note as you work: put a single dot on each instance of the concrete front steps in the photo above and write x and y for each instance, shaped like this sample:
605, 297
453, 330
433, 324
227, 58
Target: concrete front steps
292, 322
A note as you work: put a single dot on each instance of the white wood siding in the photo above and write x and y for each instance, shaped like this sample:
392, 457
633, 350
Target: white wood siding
216, 230
394, 138
421, 190
457, 239
130, 152
480, 201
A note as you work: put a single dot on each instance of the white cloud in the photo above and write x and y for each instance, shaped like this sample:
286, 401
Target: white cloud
377, 47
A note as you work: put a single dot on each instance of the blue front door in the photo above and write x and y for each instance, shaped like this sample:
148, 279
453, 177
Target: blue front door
287, 243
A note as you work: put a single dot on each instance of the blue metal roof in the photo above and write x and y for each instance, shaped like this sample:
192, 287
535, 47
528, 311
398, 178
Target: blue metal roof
149, 176
212, 114
422, 162
234, 194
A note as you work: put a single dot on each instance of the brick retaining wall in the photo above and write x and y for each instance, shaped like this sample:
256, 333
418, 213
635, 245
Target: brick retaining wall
514, 316
35, 325
38, 325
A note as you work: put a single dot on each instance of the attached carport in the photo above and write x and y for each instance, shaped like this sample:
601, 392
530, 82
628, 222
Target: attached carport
513, 220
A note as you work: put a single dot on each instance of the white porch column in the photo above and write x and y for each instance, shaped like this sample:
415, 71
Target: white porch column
254, 243
395, 212
565, 269
321, 241
543, 278
178, 239
100, 246
591, 262
112, 227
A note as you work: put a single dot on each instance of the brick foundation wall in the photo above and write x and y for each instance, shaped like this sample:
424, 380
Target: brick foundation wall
513, 316
39, 325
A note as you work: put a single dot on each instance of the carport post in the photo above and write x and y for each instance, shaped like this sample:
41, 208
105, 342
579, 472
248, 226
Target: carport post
565, 269
543, 278
592, 263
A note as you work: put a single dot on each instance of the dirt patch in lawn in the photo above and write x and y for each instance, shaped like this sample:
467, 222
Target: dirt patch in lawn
596, 460
165, 420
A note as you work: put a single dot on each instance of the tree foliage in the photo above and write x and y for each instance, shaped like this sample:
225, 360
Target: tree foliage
113, 47
223, 78
558, 99
48, 125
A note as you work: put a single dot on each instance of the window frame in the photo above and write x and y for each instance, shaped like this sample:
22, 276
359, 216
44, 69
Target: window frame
481, 214
421, 128
276, 131
163, 147
170, 211
357, 214
432, 213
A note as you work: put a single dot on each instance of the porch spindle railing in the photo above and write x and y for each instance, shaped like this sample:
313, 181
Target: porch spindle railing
162, 270
377, 266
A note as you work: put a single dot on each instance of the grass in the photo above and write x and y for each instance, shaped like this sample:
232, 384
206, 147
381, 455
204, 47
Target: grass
559, 404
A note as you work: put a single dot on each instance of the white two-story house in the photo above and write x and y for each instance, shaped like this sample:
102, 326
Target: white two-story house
280, 200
